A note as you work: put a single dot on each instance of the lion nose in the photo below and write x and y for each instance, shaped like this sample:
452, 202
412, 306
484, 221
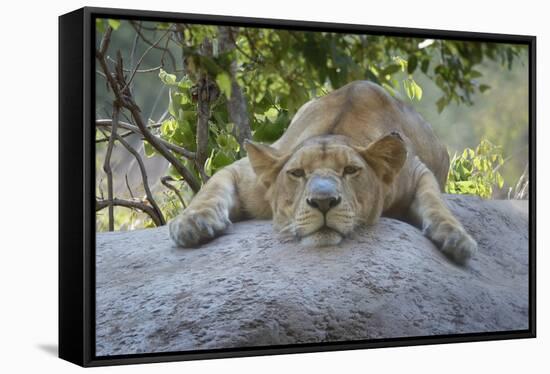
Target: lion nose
324, 204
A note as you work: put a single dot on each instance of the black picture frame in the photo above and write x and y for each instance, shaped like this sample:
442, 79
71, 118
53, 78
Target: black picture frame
77, 200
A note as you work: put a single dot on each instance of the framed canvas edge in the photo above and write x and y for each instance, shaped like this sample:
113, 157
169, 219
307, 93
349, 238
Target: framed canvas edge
81, 270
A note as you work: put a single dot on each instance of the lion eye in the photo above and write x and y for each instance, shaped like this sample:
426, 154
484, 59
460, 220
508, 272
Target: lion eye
350, 169
298, 173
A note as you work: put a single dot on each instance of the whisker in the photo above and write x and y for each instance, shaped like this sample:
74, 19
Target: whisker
289, 229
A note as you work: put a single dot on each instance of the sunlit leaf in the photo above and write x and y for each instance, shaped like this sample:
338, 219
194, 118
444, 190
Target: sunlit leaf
417, 90
114, 23
224, 82
409, 90
500, 180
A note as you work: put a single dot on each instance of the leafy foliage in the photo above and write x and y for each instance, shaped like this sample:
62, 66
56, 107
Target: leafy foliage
279, 70
180, 128
475, 172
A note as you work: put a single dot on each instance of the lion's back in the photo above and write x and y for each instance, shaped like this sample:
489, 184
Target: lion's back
364, 111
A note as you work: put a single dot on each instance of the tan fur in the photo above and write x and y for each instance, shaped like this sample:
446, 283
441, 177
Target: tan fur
398, 167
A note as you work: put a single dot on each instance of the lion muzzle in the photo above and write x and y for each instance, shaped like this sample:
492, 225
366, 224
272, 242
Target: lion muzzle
323, 193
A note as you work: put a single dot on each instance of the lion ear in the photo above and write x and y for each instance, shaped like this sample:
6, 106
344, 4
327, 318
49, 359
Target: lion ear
266, 161
386, 156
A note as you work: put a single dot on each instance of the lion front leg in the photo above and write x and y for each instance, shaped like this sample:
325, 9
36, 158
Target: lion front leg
208, 214
437, 222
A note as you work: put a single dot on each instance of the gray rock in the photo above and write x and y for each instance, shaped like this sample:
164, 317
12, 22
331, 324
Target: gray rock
247, 288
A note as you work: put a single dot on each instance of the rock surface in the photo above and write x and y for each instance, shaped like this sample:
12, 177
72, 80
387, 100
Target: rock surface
249, 289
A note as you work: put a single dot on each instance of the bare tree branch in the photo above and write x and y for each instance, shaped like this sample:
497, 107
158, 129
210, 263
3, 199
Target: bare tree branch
106, 139
105, 41
128, 186
151, 70
161, 148
141, 60
144, 177
203, 116
107, 167
124, 98
147, 41
236, 105
134, 48
131, 204
106, 123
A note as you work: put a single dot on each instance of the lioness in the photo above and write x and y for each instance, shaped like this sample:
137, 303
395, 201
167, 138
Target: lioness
345, 160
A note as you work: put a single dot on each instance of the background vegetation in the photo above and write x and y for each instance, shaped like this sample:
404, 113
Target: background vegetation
175, 102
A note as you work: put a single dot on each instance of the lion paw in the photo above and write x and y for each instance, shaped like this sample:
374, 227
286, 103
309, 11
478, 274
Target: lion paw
452, 240
194, 227
459, 246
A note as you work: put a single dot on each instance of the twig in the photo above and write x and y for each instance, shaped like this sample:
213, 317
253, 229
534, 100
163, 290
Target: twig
102, 204
165, 181
133, 52
141, 60
125, 99
157, 100
106, 139
161, 119
147, 41
144, 177
165, 49
105, 41
151, 70
107, 166
521, 188
128, 186
136, 130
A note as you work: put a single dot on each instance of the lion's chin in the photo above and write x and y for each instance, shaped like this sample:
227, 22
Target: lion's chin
322, 238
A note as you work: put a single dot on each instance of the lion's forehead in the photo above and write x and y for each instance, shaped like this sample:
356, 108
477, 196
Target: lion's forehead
324, 155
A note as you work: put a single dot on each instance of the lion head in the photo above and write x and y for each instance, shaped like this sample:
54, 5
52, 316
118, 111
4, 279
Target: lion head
327, 186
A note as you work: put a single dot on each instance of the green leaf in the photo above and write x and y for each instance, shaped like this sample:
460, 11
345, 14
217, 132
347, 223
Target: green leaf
114, 23
224, 82
208, 164
412, 89
475, 74
182, 98
168, 79
411, 64
167, 128
474, 171
149, 150
389, 70
500, 180
483, 88
100, 25
372, 77
221, 159
417, 90
441, 103
409, 90
425, 65
401, 61
268, 132
163, 25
